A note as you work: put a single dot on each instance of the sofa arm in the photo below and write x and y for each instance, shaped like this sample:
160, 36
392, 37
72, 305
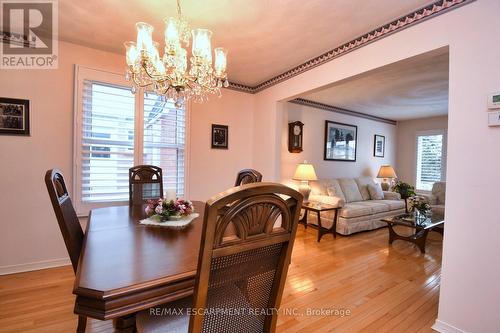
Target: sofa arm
431, 199
327, 199
388, 195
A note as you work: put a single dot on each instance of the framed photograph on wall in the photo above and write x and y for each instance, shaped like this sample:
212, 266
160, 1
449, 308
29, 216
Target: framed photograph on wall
378, 145
340, 141
220, 136
14, 116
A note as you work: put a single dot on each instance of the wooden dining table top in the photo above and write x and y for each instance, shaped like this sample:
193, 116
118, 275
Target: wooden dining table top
125, 266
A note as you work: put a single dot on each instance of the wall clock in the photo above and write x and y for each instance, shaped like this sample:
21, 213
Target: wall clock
295, 135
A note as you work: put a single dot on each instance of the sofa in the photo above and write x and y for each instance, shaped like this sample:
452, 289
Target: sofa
437, 198
361, 202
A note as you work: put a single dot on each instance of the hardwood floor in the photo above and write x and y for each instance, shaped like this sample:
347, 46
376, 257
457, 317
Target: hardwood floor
367, 285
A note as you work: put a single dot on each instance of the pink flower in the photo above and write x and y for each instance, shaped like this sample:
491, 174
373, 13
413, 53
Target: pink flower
159, 209
149, 210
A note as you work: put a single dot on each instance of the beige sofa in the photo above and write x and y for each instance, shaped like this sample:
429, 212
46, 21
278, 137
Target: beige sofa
361, 207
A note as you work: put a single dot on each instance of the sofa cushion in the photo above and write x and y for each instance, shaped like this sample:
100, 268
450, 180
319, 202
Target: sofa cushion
334, 190
350, 190
392, 204
326, 199
438, 210
376, 192
363, 208
363, 183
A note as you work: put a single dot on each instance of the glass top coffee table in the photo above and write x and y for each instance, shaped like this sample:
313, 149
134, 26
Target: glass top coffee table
422, 226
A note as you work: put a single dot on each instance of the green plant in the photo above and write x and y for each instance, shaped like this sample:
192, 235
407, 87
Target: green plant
406, 190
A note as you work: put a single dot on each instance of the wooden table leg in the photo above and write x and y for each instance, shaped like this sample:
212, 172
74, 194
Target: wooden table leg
335, 217
320, 231
303, 220
419, 238
125, 322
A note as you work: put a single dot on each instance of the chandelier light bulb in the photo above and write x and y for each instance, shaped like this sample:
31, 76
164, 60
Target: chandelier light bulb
172, 39
144, 36
220, 62
202, 47
131, 53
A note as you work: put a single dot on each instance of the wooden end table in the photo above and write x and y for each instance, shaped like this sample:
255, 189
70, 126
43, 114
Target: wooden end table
319, 207
422, 228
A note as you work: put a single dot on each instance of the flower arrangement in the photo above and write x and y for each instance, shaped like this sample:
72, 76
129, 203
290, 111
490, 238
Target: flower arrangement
405, 189
164, 209
419, 203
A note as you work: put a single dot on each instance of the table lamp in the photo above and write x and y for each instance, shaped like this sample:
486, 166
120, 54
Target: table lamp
386, 172
305, 172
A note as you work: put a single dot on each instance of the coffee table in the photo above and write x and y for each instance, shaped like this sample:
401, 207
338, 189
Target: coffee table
319, 207
422, 227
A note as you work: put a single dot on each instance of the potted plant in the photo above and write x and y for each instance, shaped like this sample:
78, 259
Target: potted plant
405, 190
419, 206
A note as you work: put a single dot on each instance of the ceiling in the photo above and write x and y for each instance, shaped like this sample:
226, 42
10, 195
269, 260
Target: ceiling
264, 37
413, 88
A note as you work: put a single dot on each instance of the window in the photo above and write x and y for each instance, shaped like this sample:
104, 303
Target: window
164, 140
431, 161
115, 130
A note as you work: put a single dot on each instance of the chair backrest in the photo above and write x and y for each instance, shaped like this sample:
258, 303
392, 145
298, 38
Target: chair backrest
65, 213
245, 269
145, 182
439, 191
247, 176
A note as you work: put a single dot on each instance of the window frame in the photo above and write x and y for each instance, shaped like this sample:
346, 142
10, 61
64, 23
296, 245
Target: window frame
83, 73
444, 149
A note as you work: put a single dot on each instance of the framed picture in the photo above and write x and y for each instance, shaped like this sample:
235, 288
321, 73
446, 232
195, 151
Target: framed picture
340, 141
220, 136
378, 145
14, 116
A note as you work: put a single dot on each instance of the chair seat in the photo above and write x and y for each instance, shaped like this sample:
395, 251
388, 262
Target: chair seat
164, 319
174, 317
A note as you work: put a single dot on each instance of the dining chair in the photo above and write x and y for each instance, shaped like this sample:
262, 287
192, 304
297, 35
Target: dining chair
240, 275
247, 176
68, 222
145, 182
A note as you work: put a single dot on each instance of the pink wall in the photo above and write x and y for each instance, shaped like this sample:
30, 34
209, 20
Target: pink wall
214, 170
314, 135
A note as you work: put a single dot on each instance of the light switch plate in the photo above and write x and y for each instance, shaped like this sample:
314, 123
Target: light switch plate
494, 101
494, 118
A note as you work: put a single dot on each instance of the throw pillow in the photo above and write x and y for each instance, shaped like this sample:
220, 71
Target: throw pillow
376, 192
363, 183
350, 190
334, 190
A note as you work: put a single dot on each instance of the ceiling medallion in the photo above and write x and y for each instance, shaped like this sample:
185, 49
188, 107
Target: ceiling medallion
169, 76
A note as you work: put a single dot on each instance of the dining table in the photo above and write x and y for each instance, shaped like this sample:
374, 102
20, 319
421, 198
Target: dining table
126, 267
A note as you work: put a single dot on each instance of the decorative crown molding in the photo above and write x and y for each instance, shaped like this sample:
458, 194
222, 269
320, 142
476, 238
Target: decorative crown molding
317, 105
415, 17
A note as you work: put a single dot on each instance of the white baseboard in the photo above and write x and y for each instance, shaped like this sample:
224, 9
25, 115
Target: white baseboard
443, 327
34, 266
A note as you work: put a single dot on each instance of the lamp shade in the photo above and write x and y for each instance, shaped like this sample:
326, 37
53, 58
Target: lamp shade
386, 171
305, 171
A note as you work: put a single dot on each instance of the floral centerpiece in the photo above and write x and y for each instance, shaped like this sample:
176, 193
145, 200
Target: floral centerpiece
419, 204
165, 210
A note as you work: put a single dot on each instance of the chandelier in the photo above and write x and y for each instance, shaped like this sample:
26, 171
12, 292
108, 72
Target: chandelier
169, 76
